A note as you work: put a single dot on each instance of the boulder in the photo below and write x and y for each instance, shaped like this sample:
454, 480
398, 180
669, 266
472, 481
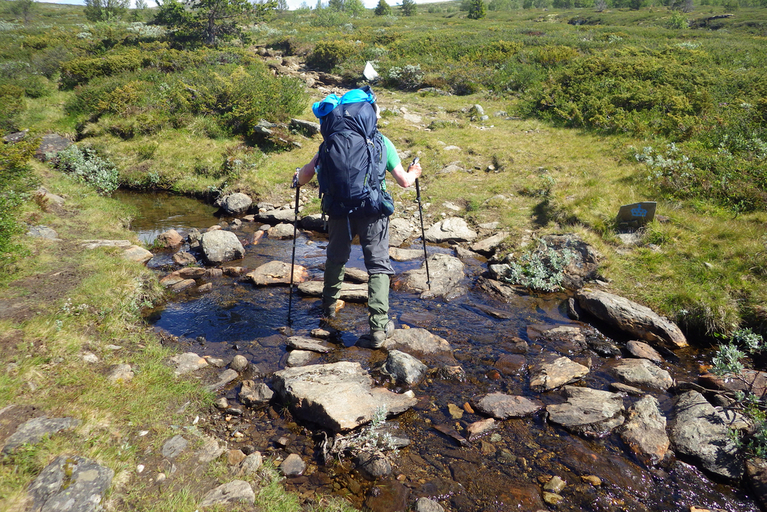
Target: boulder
237, 491
404, 368
645, 430
452, 229
643, 351
630, 317
50, 145
338, 396
235, 204
300, 358
446, 273
220, 246
187, 363
170, 239
70, 483
184, 259
418, 342
277, 272
584, 260
488, 246
277, 216
253, 394
643, 372
502, 406
588, 412
349, 292
313, 222
282, 231
137, 253
398, 254
308, 128
548, 375
699, 431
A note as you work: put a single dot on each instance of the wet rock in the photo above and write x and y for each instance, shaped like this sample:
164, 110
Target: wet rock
183, 285
588, 412
356, 275
234, 204
511, 364
480, 428
446, 273
427, 505
555, 485
399, 231
210, 451
174, 446
224, 378
184, 259
338, 396
455, 412
373, 465
277, 272
220, 246
32, 431
70, 483
293, 465
120, 374
313, 222
404, 368
187, 363
452, 229
418, 341
236, 491
276, 216
418, 319
625, 388
552, 498
300, 358
213, 273
642, 372
645, 431
171, 279
281, 231
643, 351
699, 432
631, 317
310, 344
239, 363
193, 236
43, 232
235, 457
252, 463
504, 291
550, 375
253, 394
502, 406
488, 246
349, 292
564, 339
389, 496
398, 254
170, 239
748, 381
233, 271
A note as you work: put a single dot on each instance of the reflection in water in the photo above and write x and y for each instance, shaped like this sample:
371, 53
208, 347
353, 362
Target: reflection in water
504, 470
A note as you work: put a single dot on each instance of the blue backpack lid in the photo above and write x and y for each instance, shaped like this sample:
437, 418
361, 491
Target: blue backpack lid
326, 106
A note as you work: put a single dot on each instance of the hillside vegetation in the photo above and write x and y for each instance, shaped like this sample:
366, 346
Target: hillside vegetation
592, 110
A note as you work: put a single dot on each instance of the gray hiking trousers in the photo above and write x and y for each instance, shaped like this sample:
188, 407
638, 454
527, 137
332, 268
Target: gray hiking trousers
374, 239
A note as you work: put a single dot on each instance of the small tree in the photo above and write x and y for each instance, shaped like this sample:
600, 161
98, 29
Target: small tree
383, 9
409, 8
336, 5
23, 8
105, 10
354, 7
476, 9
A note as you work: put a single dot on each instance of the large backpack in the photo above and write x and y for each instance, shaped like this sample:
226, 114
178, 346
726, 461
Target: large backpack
352, 157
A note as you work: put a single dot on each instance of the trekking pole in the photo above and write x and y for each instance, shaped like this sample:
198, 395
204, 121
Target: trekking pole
296, 186
423, 235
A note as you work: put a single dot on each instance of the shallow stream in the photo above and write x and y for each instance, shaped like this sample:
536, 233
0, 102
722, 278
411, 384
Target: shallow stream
502, 471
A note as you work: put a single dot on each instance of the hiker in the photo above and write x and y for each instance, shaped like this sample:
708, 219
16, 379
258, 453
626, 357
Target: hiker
353, 191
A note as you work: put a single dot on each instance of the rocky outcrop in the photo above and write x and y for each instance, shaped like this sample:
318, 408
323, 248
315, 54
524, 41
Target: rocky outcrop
70, 483
588, 412
700, 432
446, 273
338, 396
452, 229
630, 317
220, 246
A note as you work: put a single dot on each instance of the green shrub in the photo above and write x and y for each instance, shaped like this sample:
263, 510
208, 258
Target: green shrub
79, 71
11, 106
407, 78
329, 54
87, 166
542, 269
15, 182
550, 56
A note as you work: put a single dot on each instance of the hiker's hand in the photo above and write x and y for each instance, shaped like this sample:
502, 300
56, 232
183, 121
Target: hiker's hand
414, 170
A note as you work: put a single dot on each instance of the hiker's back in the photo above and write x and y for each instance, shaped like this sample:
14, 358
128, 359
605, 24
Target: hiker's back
352, 158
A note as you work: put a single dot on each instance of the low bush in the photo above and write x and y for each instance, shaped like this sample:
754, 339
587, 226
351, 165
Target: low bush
327, 55
87, 166
80, 70
15, 183
11, 106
